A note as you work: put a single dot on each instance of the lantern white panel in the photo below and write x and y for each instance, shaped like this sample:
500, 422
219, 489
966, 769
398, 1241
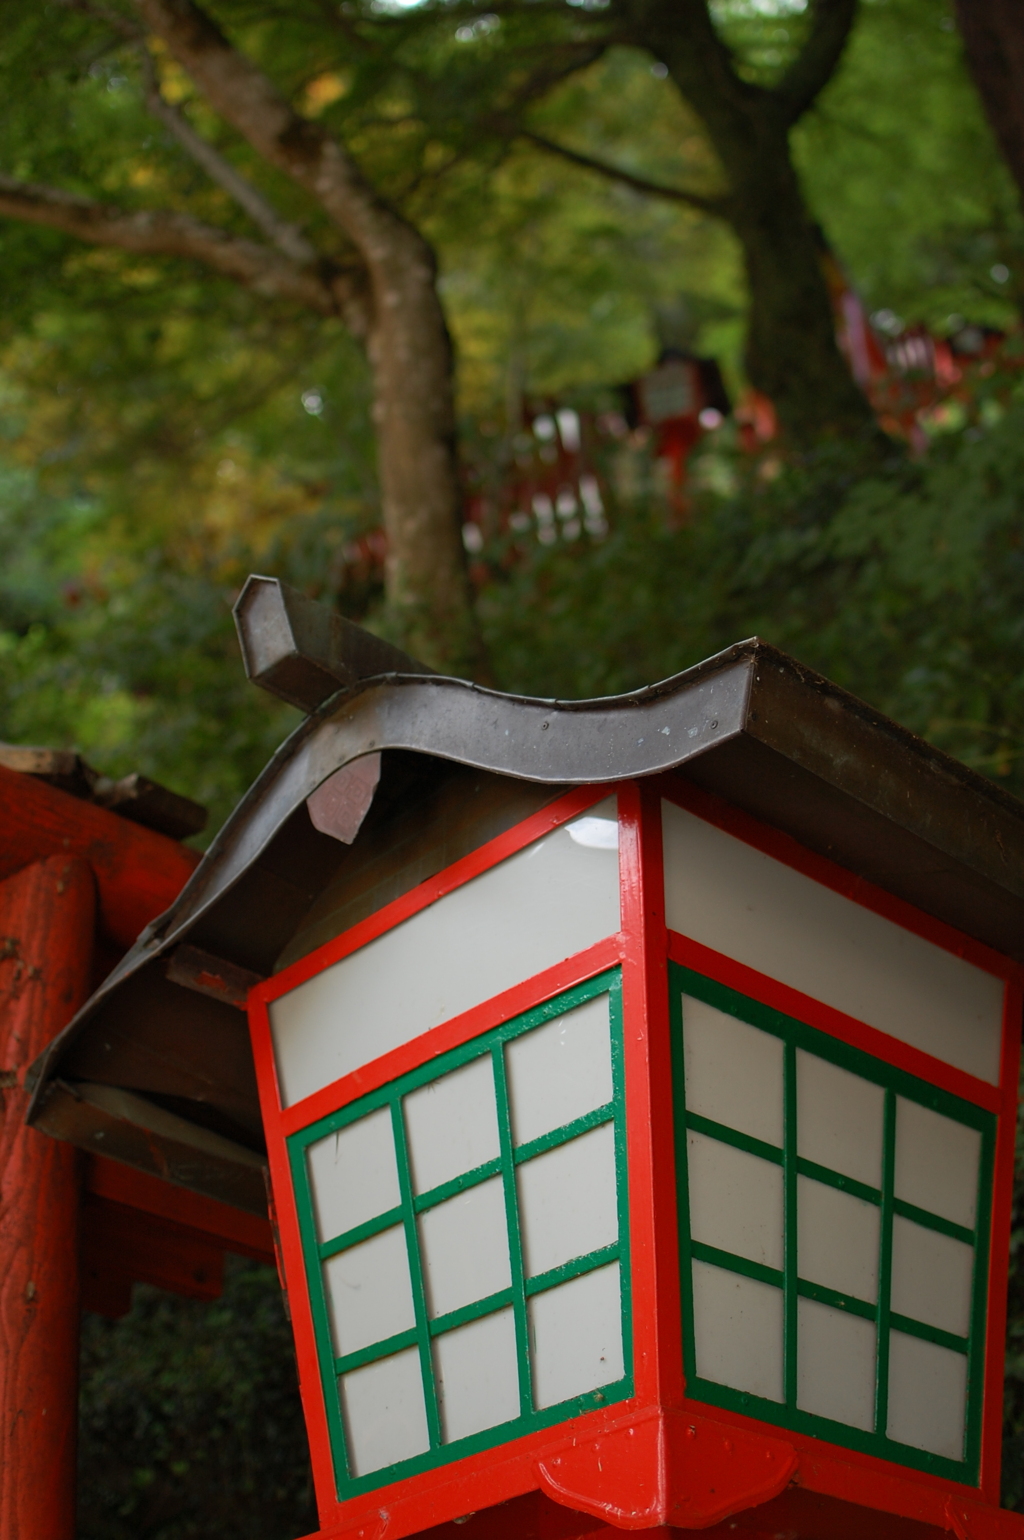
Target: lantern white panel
835, 1365
839, 1119
936, 1163
737, 1326
567, 1201
464, 1244
931, 1277
452, 1125
722, 892
733, 1071
736, 1200
576, 1337
837, 1240
477, 1375
541, 905
385, 1416
353, 1175
560, 1071
927, 1396
369, 1292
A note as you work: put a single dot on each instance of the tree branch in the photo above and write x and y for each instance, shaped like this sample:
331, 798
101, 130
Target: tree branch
716, 206
561, 64
248, 100
286, 237
163, 232
815, 64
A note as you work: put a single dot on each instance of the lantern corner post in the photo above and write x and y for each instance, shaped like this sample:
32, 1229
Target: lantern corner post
47, 925
1000, 1224
658, 1348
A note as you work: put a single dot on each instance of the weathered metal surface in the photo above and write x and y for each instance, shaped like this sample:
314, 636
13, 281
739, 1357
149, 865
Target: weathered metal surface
302, 651
750, 724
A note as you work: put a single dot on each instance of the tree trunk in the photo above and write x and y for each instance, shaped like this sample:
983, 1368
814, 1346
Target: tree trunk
410, 354
399, 317
792, 354
993, 35
791, 349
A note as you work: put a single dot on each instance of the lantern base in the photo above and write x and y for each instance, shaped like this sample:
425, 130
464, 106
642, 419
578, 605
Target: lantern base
794, 1514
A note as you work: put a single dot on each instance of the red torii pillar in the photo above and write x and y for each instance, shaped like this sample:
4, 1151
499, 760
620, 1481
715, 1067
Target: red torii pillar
67, 865
47, 917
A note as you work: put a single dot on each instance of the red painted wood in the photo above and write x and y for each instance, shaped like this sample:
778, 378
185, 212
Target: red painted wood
667, 1469
788, 850
645, 1110
999, 1257
246, 1235
121, 1246
781, 997
837, 1490
47, 921
646, 970
138, 872
450, 1034
489, 854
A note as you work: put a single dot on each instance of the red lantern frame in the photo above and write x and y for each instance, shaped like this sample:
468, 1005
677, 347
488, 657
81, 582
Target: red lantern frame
659, 1457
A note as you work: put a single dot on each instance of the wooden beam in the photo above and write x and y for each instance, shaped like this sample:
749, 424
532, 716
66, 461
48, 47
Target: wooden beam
122, 1246
138, 872
245, 1234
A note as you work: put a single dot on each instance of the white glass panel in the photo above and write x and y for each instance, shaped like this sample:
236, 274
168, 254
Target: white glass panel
576, 1337
735, 1200
567, 1201
727, 895
733, 1071
477, 1375
738, 1328
452, 1125
837, 1240
369, 1294
936, 1163
353, 1175
543, 904
839, 1119
931, 1277
385, 1419
560, 1071
927, 1396
835, 1365
464, 1243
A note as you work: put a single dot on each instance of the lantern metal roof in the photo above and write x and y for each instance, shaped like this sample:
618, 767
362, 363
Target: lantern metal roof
156, 1068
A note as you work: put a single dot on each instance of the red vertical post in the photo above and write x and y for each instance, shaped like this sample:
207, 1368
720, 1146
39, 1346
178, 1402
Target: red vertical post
47, 922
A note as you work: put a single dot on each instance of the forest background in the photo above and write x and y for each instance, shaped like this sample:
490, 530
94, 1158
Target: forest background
167, 427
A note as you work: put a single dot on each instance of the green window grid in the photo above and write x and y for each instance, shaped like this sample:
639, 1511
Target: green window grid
796, 1034
411, 1205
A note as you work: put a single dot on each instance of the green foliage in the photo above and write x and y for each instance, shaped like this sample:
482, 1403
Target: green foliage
904, 584
191, 1427
901, 169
